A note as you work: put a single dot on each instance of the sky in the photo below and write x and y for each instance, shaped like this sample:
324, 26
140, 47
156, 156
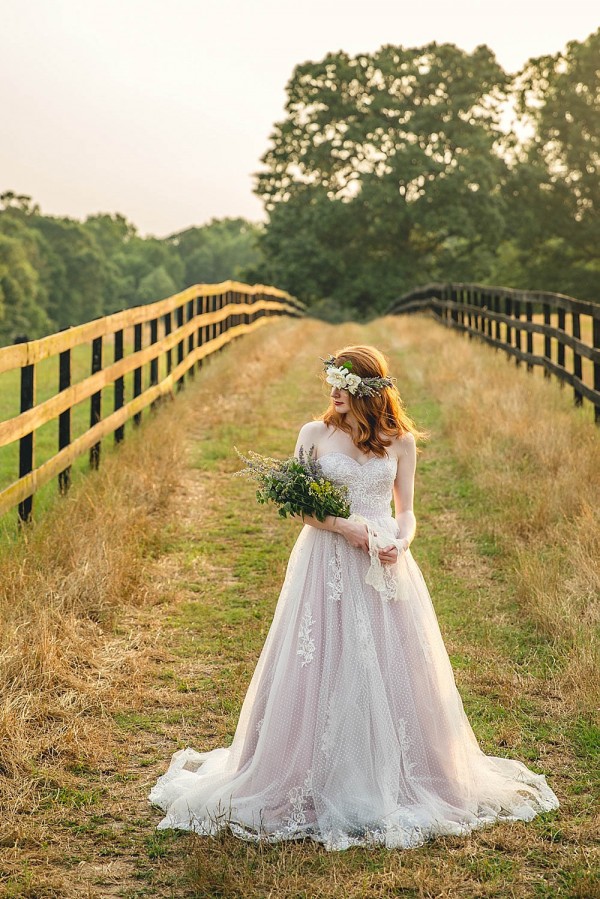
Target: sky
161, 109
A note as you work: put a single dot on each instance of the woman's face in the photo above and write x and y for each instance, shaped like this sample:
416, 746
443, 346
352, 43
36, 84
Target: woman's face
339, 398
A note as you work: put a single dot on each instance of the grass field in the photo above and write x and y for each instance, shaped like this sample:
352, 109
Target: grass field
134, 612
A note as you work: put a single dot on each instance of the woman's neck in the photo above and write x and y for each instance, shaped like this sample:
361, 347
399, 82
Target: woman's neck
352, 422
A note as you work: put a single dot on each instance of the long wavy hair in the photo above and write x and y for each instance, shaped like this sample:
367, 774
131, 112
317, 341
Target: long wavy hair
380, 418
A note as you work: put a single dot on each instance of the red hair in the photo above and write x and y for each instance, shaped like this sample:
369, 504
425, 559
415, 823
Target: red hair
380, 418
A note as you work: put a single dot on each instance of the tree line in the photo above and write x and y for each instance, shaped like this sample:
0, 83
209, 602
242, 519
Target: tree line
57, 271
389, 170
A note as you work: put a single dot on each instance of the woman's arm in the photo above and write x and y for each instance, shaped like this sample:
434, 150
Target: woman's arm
404, 485
356, 534
404, 488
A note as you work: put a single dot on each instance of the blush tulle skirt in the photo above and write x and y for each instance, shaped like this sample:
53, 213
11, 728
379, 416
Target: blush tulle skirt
352, 731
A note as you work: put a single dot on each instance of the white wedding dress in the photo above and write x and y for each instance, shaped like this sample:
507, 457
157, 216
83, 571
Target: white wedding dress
352, 731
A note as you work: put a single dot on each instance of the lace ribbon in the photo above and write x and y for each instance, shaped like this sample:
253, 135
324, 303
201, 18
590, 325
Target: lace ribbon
381, 576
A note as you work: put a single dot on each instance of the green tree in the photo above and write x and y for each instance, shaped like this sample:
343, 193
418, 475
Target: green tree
221, 250
156, 285
23, 203
553, 192
73, 270
390, 159
22, 296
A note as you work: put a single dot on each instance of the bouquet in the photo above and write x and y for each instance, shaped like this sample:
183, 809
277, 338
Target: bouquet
297, 486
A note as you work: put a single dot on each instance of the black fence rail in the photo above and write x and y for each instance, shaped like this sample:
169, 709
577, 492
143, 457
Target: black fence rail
508, 319
162, 343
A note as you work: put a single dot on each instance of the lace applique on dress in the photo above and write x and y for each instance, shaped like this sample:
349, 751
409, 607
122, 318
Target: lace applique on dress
259, 725
334, 575
367, 650
298, 797
327, 736
306, 645
405, 746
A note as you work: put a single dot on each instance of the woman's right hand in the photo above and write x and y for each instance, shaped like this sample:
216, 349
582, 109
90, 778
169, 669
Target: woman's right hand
355, 533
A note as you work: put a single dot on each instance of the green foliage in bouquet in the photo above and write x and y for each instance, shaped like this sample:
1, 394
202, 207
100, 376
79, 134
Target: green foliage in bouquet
297, 486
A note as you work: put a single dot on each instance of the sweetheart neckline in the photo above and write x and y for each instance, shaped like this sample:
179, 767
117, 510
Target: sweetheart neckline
356, 462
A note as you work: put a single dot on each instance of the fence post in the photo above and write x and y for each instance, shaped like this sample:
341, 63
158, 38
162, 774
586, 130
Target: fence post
153, 362
560, 356
576, 329
547, 338
207, 328
27, 442
529, 317
137, 372
469, 314
497, 329
508, 313
454, 314
222, 300
119, 393
179, 322
64, 419
167, 318
200, 331
96, 400
596, 343
190, 315
517, 316
217, 304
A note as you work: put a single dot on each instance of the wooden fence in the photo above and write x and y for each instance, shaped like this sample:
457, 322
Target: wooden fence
190, 326
505, 318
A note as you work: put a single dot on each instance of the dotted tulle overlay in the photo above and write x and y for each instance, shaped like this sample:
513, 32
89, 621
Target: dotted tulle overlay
352, 731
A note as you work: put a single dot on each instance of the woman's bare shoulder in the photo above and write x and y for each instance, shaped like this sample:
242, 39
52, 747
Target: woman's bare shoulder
314, 429
404, 444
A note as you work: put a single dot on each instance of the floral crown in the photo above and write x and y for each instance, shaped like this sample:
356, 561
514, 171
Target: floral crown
344, 379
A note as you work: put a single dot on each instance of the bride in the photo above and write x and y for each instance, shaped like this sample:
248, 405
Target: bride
352, 731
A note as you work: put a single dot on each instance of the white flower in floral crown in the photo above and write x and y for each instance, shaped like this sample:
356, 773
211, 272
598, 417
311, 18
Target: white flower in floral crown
352, 382
337, 377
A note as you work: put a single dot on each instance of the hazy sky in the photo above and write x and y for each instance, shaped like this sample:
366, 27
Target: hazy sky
161, 109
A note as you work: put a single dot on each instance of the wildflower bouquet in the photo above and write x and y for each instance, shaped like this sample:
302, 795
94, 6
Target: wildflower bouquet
296, 485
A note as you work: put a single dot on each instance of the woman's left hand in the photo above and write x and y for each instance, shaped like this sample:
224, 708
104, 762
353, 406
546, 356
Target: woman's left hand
388, 554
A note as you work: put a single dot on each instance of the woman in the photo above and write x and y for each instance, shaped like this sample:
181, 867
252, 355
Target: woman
352, 731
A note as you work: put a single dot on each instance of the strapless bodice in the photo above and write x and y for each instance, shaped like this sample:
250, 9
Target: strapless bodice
369, 483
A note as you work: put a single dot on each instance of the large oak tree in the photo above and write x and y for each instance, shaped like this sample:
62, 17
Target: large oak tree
384, 166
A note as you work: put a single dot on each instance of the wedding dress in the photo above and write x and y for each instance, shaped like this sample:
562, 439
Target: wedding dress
352, 731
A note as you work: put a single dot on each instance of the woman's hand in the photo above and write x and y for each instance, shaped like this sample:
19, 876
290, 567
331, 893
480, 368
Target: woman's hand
388, 554
355, 533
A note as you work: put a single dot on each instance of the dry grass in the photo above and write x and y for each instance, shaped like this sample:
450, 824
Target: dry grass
537, 460
62, 665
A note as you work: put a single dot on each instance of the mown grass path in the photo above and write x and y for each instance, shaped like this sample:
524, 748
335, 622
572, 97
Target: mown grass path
216, 572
